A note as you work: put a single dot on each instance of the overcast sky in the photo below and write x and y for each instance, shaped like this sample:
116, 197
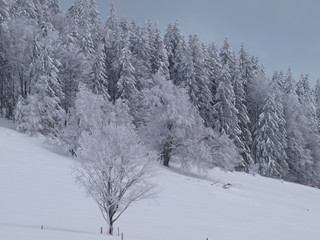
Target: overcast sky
280, 33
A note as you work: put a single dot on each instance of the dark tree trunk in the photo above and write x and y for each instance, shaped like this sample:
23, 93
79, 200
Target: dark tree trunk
110, 226
166, 154
166, 162
21, 85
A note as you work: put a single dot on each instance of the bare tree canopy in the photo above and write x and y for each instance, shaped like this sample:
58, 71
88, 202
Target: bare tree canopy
114, 168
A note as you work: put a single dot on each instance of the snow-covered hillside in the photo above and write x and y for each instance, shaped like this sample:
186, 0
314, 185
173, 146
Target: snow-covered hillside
37, 188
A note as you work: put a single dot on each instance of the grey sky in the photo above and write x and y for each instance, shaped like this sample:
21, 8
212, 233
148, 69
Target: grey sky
280, 33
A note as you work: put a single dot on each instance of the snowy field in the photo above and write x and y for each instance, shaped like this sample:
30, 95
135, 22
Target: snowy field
37, 188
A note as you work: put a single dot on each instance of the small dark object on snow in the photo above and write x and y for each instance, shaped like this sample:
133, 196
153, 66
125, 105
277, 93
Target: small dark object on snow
227, 186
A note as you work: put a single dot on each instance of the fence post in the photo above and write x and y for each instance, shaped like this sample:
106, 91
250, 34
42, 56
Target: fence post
121, 236
41, 227
118, 232
101, 230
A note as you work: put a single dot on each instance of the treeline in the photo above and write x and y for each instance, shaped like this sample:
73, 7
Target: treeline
69, 75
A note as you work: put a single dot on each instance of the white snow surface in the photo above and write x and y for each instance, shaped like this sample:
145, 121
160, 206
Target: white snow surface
37, 188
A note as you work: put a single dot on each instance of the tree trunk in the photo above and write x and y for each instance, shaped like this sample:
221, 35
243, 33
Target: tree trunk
111, 228
21, 85
166, 163
110, 212
166, 154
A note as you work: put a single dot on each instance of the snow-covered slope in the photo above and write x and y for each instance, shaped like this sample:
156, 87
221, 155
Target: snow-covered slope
37, 188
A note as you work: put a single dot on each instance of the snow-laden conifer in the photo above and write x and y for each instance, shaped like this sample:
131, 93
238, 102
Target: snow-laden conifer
245, 137
268, 148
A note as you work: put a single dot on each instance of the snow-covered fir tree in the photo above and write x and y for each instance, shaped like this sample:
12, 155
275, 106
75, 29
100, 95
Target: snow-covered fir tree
158, 54
268, 149
245, 137
214, 66
127, 83
203, 97
305, 96
141, 57
227, 57
173, 40
99, 77
299, 156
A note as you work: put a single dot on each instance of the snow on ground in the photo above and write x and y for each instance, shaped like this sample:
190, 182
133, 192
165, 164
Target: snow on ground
37, 188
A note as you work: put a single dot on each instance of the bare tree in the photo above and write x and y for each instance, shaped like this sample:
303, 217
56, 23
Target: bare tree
114, 168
